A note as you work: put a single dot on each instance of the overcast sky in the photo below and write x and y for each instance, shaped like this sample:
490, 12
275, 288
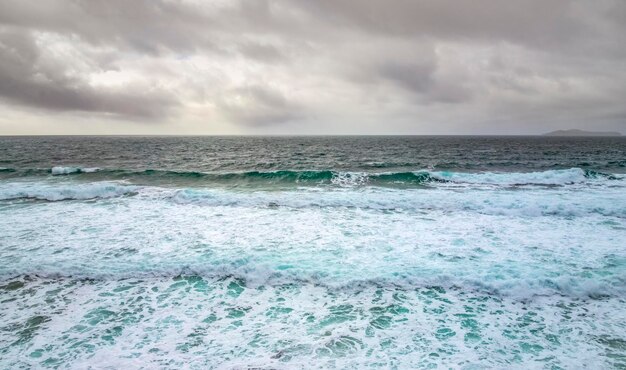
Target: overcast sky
311, 67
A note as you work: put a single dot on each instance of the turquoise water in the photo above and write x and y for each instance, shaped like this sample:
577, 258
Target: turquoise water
498, 253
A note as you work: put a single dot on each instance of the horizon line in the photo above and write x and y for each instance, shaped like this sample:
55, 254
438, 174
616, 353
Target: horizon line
296, 135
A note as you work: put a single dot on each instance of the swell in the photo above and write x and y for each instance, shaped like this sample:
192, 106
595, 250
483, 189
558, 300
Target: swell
417, 178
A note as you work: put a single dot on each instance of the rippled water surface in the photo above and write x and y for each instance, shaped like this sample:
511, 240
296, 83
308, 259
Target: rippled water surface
316, 252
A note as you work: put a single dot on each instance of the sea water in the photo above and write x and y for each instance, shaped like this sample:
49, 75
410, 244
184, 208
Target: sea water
312, 252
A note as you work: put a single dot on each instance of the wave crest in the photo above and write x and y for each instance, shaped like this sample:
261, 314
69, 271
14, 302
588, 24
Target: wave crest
419, 178
72, 170
52, 193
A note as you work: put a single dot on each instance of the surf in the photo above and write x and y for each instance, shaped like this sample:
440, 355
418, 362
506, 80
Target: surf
285, 178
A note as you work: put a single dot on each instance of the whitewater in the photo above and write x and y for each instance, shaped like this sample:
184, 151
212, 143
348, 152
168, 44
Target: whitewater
375, 259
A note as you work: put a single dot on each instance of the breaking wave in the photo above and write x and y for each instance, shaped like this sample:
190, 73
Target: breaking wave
59, 192
418, 178
71, 170
481, 202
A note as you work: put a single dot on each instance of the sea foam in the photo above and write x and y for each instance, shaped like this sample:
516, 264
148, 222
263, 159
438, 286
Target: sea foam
337, 269
192, 322
72, 170
67, 191
511, 243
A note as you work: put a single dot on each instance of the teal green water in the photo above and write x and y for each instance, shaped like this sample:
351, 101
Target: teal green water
312, 253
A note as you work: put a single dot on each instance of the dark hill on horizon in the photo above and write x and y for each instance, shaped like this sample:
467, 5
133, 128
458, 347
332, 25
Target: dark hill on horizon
576, 132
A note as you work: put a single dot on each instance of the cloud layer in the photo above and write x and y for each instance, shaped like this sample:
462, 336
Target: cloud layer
328, 66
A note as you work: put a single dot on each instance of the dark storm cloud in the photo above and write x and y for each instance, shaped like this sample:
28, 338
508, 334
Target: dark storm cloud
279, 63
145, 25
28, 80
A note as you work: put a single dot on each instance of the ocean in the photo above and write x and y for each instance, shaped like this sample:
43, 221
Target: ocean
312, 252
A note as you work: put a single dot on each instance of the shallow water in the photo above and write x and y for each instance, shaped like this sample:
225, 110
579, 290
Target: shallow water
312, 252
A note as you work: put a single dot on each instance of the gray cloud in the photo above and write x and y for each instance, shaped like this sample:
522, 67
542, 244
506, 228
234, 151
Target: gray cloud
284, 66
144, 25
258, 106
262, 52
416, 77
536, 23
421, 79
28, 78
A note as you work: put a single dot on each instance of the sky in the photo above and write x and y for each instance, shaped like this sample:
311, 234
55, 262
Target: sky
311, 67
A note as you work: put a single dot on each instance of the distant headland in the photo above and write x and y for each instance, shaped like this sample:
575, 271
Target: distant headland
575, 132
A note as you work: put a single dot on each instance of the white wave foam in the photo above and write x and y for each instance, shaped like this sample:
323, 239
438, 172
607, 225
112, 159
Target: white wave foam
529, 203
68, 191
58, 170
551, 177
526, 287
348, 179
509, 240
513, 242
200, 323
352, 276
